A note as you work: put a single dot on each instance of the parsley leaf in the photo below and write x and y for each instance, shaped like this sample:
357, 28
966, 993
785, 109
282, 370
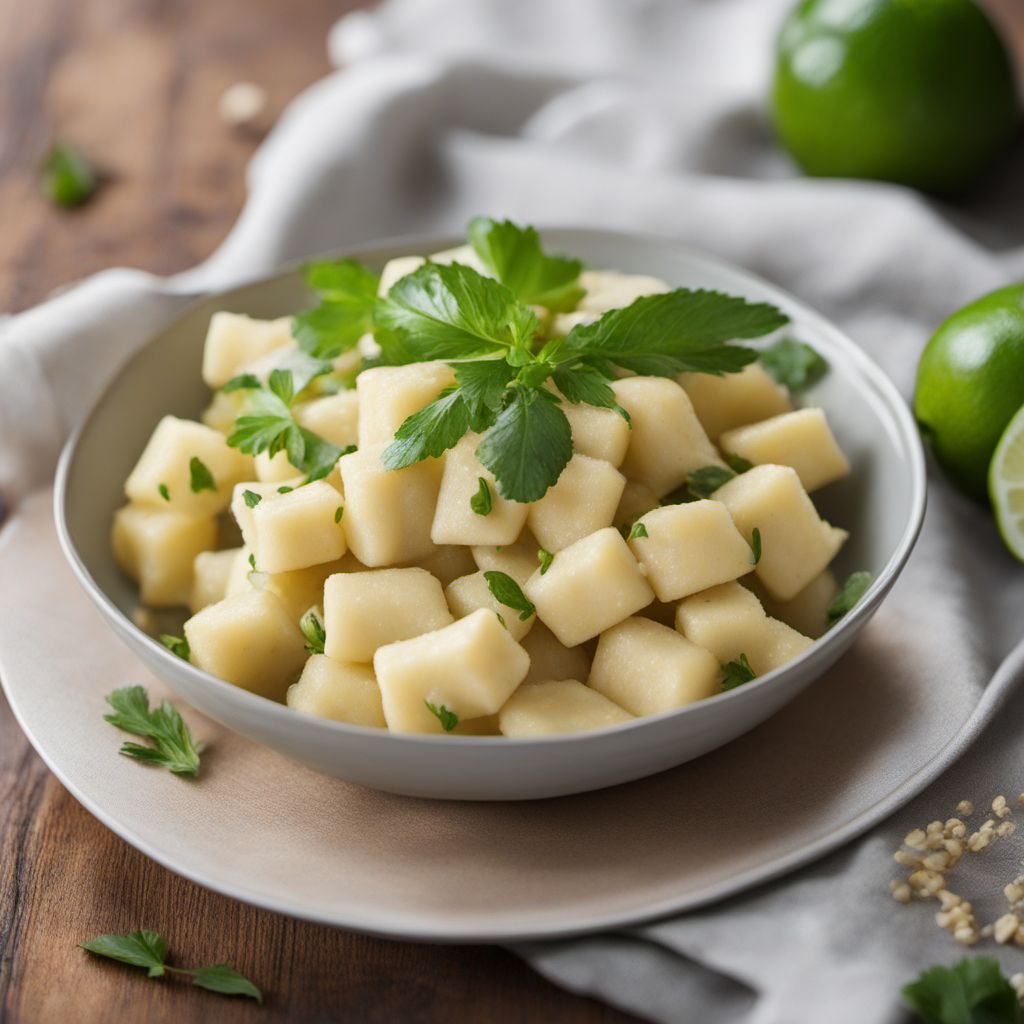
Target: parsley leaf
738, 463
545, 558
176, 645
677, 331
850, 593
173, 747
446, 717
638, 530
481, 503
338, 513
252, 562
148, 949
507, 592
528, 446
348, 297
164, 492
251, 498
515, 257
794, 364
755, 546
483, 385
736, 673
430, 432
973, 991
312, 626
202, 478
68, 179
582, 383
703, 482
243, 382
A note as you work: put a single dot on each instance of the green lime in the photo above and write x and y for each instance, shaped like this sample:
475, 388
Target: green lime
919, 92
1006, 484
970, 383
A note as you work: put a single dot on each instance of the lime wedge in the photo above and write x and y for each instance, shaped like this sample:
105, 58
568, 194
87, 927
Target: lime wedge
1006, 484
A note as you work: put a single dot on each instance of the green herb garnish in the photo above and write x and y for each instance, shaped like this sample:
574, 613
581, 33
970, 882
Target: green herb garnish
850, 593
285, 489
755, 546
68, 179
545, 558
638, 530
481, 502
252, 562
173, 747
251, 498
176, 645
447, 718
506, 591
973, 991
348, 297
164, 492
312, 626
737, 463
736, 673
202, 478
243, 382
149, 950
338, 513
794, 364
703, 482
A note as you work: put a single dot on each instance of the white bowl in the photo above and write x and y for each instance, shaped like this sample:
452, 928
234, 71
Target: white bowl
881, 503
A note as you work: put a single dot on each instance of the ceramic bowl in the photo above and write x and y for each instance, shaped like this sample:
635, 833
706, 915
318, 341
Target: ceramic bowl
881, 503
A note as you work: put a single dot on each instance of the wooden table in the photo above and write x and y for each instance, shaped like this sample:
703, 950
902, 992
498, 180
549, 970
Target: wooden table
135, 82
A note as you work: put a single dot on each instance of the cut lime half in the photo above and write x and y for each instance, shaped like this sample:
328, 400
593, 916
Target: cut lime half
1006, 484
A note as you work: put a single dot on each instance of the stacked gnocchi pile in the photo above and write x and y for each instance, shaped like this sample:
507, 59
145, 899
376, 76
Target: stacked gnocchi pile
420, 600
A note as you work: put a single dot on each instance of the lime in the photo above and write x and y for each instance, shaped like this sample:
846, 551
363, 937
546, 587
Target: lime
1006, 484
919, 92
970, 383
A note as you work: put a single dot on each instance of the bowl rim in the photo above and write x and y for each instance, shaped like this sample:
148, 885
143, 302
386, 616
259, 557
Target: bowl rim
851, 623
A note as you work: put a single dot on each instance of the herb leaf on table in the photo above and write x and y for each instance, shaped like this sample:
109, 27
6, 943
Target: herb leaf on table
973, 991
172, 747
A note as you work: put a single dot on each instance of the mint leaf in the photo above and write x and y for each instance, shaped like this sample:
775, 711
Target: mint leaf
173, 747
312, 626
202, 478
703, 482
225, 980
68, 179
973, 991
850, 593
736, 673
755, 546
481, 503
515, 257
528, 446
545, 558
506, 591
451, 312
176, 645
448, 719
140, 949
793, 364
681, 330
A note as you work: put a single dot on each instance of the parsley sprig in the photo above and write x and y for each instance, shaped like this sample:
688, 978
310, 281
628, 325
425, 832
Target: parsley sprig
736, 673
973, 991
855, 587
444, 715
173, 747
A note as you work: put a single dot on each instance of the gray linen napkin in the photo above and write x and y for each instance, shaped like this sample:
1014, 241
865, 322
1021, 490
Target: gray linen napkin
642, 115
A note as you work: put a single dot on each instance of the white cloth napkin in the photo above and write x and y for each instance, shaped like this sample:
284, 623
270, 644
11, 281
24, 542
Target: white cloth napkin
649, 115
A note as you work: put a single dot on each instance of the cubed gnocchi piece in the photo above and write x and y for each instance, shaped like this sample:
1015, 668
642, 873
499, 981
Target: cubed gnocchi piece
366, 610
241, 508
338, 690
519, 560
648, 668
729, 621
301, 589
609, 289
335, 418
157, 549
389, 395
224, 408
667, 441
596, 432
690, 547
211, 571
233, 341
807, 613
448, 562
166, 462
556, 707
394, 270
580, 502
734, 399
455, 522
636, 500
589, 587
800, 439
298, 529
470, 667
276, 469
388, 512
796, 543
238, 577
250, 640
550, 659
467, 594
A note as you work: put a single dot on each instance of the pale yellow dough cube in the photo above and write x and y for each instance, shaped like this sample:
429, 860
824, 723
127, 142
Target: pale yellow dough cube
301, 589
470, 667
800, 439
276, 469
448, 562
734, 399
796, 543
729, 621
648, 668
158, 549
467, 594
338, 690
166, 461
610, 289
239, 575
242, 511
589, 587
250, 640
556, 707
335, 418
519, 560
234, 341
637, 499
366, 610
388, 512
690, 547
224, 408
807, 613
298, 529
455, 522
550, 659
211, 571
581, 501
596, 432
667, 441
389, 395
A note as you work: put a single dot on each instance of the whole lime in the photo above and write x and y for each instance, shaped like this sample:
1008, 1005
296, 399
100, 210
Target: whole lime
970, 383
918, 92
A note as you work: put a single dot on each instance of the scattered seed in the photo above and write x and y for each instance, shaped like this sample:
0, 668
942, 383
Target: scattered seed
965, 807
